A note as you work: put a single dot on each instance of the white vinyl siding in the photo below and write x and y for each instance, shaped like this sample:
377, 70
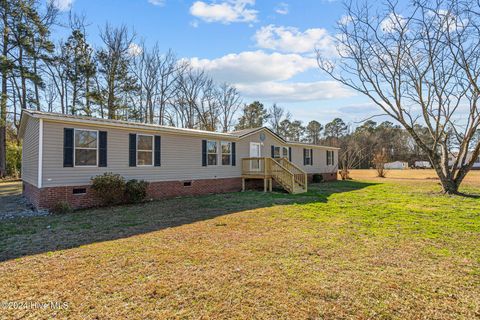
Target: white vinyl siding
30, 147
181, 159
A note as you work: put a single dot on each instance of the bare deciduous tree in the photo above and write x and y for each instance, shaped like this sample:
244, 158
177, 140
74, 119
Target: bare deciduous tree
114, 69
229, 102
379, 160
419, 64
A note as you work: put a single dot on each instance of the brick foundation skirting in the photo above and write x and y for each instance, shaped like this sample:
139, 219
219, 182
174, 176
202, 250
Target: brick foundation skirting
326, 176
48, 197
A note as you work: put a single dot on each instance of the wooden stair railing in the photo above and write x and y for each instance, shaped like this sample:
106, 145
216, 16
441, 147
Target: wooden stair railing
299, 174
281, 175
289, 176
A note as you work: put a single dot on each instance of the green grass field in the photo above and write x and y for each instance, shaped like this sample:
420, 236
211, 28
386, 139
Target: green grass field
385, 249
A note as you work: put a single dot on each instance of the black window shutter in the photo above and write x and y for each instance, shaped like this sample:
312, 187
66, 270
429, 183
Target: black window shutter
157, 148
68, 147
304, 156
102, 149
290, 154
311, 157
273, 151
132, 150
204, 153
234, 154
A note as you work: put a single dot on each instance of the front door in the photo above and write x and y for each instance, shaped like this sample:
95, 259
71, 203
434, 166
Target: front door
255, 152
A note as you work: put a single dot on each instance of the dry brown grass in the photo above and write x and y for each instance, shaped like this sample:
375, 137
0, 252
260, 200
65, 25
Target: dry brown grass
473, 177
346, 250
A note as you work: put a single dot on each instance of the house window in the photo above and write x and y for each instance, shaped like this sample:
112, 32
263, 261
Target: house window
86, 146
280, 152
212, 153
330, 159
144, 150
308, 157
226, 153
276, 152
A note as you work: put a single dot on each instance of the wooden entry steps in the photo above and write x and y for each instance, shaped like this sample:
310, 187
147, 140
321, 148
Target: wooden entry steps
281, 170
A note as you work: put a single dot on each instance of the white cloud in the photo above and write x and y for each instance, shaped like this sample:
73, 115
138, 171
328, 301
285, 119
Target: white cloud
255, 66
282, 8
290, 39
159, 3
134, 50
345, 19
267, 76
394, 22
62, 5
226, 12
295, 92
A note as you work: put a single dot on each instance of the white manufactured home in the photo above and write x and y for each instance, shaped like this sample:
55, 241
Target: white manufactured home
61, 154
396, 165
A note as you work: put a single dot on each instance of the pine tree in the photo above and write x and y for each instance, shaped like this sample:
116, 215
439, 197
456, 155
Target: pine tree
313, 131
254, 116
24, 42
80, 71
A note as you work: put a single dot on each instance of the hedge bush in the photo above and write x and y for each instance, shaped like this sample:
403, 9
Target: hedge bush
136, 191
62, 207
110, 188
317, 178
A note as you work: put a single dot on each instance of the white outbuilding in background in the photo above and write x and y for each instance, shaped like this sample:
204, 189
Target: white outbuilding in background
398, 165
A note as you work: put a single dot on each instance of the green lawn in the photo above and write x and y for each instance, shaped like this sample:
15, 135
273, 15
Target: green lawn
380, 249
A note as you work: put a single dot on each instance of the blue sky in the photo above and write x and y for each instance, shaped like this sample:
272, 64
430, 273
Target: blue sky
264, 47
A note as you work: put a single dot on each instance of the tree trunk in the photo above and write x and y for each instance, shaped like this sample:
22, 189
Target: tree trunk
23, 80
3, 104
449, 185
87, 97
110, 105
35, 84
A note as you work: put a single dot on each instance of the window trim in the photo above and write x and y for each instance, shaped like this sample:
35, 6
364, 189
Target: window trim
209, 153
331, 158
283, 153
222, 154
75, 149
279, 152
152, 150
309, 157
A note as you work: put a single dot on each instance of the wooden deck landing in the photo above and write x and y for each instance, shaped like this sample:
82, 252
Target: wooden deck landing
289, 176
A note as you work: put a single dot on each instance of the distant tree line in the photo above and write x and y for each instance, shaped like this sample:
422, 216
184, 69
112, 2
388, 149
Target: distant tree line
358, 145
